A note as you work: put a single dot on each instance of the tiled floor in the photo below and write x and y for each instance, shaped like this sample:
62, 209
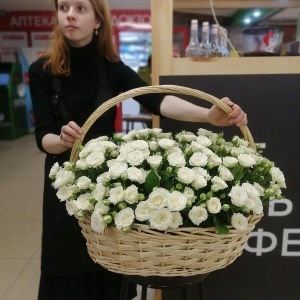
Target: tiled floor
21, 183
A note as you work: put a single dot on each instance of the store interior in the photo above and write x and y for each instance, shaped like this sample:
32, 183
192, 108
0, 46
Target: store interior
20, 160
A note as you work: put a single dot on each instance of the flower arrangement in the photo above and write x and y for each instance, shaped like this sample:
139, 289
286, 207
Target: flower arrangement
167, 181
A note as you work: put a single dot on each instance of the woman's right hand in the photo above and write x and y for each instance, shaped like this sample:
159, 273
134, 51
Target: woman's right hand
69, 133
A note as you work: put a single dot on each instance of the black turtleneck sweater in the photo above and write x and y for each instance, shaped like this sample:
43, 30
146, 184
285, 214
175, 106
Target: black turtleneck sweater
79, 90
63, 246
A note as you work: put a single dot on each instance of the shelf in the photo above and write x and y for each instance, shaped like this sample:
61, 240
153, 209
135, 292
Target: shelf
163, 62
241, 65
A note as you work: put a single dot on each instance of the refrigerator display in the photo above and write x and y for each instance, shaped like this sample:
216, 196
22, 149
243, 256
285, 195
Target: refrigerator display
135, 47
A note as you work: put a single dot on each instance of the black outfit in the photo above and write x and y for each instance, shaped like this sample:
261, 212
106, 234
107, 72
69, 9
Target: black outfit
93, 80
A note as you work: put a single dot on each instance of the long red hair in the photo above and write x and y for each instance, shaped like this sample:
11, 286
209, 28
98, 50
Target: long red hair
57, 55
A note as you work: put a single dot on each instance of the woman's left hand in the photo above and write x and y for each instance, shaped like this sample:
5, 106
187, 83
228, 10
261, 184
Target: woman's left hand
218, 117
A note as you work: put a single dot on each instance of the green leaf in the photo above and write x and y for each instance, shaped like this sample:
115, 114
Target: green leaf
165, 175
152, 181
222, 229
238, 172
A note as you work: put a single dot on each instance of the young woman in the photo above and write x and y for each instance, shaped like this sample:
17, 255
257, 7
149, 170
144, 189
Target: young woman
75, 75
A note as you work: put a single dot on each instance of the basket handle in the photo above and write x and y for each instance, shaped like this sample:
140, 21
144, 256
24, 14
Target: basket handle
168, 89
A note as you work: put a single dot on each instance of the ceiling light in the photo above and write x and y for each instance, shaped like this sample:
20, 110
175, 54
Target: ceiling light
247, 20
256, 13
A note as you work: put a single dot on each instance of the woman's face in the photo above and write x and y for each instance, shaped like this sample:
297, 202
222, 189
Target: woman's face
77, 21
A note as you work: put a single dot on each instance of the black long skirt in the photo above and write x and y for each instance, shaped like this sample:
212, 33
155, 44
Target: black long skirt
102, 285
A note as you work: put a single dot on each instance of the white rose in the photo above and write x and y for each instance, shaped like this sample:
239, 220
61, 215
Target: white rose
126, 148
174, 150
160, 219
129, 136
203, 131
199, 182
101, 208
158, 198
143, 132
102, 138
95, 159
156, 131
110, 162
97, 223
195, 146
64, 193
214, 205
238, 196
135, 158
81, 164
240, 142
258, 206
154, 161
71, 208
276, 189
176, 221
251, 190
176, 201
124, 218
104, 177
122, 157
198, 159
153, 145
230, 162
218, 184
63, 177
278, 177
235, 151
213, 137
83, 182
140, 144
176, 160
215, 159
166, 143
186, 136
131, 194
207, 151
204, 140
99, 191
89, 147
203, 172
239, 222
259, 189
53, 171
185, 175
198, 214
116, 194
136, 175
117, 169
143, 211
225, 173
190, 194
83, 203
246, 160
249, 204
108, 145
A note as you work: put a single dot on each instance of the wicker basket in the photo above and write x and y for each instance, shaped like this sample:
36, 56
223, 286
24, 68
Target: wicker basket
178, 252
175, 252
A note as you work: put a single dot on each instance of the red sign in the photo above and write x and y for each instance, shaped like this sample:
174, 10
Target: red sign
28, 21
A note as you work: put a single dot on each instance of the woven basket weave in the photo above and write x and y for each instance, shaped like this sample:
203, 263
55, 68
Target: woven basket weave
175, 252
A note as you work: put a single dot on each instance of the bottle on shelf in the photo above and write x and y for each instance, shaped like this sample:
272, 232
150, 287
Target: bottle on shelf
215, 47
192, 50
205, 49
223, 42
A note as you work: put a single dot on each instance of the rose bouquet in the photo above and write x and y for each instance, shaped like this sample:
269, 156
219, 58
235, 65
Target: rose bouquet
167, 181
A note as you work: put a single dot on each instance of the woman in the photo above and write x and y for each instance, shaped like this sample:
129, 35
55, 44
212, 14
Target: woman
76, 74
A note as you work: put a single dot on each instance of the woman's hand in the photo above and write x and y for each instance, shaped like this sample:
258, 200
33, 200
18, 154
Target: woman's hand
218, 117
69, 133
